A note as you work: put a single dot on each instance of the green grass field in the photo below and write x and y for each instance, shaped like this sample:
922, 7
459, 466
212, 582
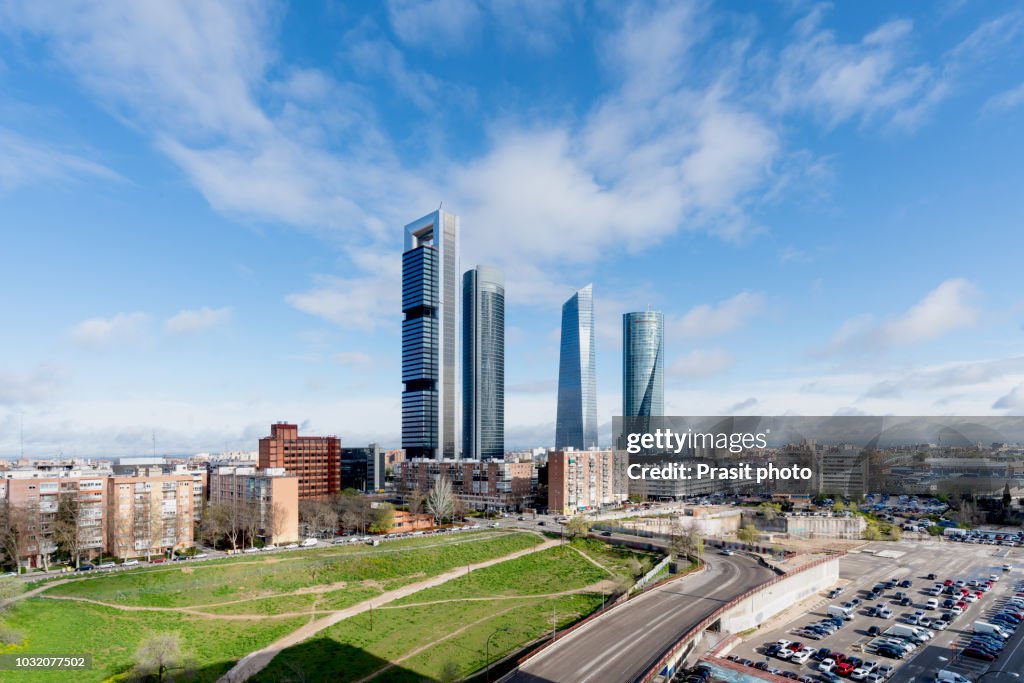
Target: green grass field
264, 585
350, 650
389, 566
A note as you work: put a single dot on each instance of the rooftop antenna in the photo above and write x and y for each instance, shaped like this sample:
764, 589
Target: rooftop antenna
441, 205
21, 432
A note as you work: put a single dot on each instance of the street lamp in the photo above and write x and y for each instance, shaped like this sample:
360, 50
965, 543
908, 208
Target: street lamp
487, 650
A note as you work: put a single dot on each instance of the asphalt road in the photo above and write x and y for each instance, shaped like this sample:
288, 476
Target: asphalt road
621, 644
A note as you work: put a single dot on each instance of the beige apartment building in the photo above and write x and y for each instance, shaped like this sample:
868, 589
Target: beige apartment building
273, 490
586, 480
122, 516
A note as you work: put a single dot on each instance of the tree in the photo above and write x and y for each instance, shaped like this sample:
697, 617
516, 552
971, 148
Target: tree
273, 521
14, 534
251, 520
383, 518
684, 541
157, 656
320, 517
449, 672
441, 500
415, 500
577, 526
1007, 498
67, 527
748, 534
215, 522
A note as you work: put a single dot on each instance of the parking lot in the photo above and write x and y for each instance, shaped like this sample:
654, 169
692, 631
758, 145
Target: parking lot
912, 561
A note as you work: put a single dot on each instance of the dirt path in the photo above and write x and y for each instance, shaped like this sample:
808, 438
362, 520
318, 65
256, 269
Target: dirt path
422, 648
256, 661
31, 593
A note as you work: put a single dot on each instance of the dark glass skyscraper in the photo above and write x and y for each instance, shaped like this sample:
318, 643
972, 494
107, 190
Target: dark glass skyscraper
576, 421
643, 371
429, 343
483, 363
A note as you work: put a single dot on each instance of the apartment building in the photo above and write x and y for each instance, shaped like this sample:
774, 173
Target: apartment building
493, 485
586, 480
149, 515
315, 460
274, 491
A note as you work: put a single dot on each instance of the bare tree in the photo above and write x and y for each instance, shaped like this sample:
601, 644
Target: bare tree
159, 655
214, 524
273, 522
441, 501
684, 541
251, 522
415, 501
67, 527
14, 534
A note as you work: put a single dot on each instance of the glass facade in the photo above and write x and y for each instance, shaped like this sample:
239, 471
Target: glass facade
483, 363
576, 421
429, 353
643, 371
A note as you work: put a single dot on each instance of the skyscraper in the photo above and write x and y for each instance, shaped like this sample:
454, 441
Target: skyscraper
429, 342
483, 363
576, 421
643, 371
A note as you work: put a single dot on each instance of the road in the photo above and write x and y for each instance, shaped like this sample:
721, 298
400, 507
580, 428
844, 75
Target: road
621, 644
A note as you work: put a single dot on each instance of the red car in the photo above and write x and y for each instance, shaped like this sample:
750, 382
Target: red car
979, 594
844, 668
947, 582
795, 647
837, 657
975, 653
962, 604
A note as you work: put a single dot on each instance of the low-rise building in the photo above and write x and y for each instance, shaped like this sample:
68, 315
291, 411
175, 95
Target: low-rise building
493, 485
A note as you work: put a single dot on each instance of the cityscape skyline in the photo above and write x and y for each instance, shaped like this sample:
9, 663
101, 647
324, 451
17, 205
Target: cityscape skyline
483, 365
202, 224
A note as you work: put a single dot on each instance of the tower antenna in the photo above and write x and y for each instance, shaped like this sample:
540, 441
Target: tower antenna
154, 443
21, 433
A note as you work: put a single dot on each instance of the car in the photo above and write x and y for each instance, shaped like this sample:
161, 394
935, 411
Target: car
859, 674
889, 651
885, 670
270, 547
251, 550
957, 609
906, 583
783, 654
829, 677
130, 563
821, 655
199, 556
931, 577
874, 631
542, 523
975, 653
939, 624
291, 546
844, 668
85, 568
158, 560
795, 647
827, 665
905, 601
800, 657
608, 533
1007, 567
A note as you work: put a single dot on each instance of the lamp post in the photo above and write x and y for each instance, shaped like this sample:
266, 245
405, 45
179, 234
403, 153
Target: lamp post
487, 650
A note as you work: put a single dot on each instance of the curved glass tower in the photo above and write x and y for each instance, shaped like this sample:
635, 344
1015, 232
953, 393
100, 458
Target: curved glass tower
429, 343
643, 372
483, 363
576, 421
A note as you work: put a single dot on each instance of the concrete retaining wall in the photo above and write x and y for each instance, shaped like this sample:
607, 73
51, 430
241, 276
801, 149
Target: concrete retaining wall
762, 605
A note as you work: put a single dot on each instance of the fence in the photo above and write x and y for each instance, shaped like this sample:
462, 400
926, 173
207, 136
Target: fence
646, 578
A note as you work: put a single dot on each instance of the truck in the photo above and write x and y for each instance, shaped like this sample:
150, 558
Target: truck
914, 633
845, 613
985, 627
950, 531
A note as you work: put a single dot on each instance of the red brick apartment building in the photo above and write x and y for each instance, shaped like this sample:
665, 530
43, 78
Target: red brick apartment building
315, 460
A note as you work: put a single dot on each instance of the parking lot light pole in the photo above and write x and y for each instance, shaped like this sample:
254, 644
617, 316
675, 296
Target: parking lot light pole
487, 650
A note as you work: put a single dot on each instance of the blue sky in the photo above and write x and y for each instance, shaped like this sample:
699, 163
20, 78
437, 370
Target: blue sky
202, 205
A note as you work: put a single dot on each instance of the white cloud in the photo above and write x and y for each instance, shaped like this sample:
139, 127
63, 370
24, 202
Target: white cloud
441, 25
947, 308
24, 161
352, 303
709, 320
353, 359
121, 328
1012, 401
1005, 101
38, 385
702, 363
204, 318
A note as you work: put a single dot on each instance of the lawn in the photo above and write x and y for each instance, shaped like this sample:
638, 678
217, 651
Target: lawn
350, 650
454, 632
111, 636
390, 565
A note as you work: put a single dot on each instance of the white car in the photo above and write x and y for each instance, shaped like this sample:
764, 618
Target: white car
106, 565
199, 556
859, 674
800, 657
292, 546
251, 550
309, 543
130, 563
940, 624
270, 547
826, 665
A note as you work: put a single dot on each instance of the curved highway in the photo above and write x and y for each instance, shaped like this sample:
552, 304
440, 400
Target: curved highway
621, 644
